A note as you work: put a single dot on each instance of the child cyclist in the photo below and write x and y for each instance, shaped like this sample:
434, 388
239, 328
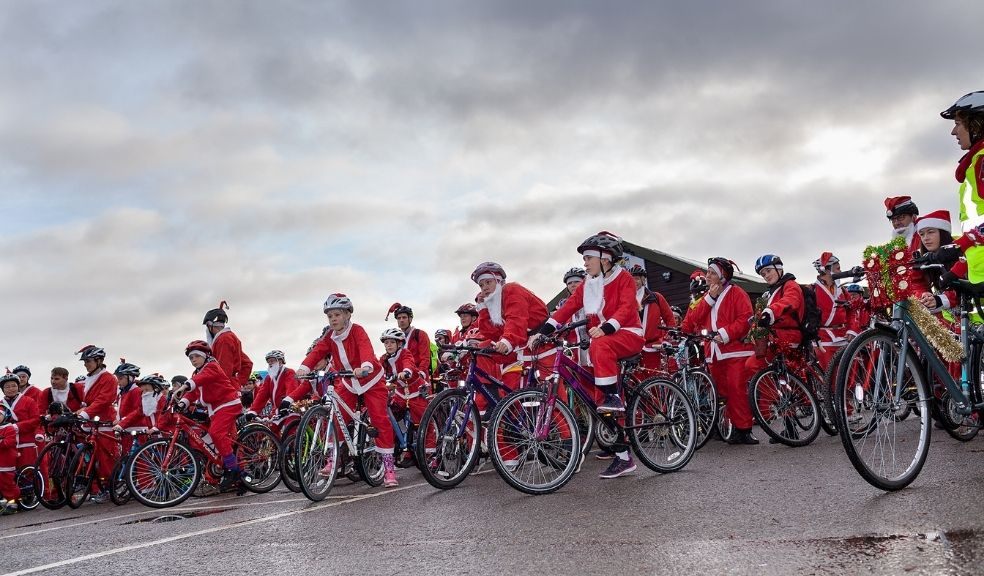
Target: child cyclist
608, 298
410, 388
210, 386
348, 347
9, 491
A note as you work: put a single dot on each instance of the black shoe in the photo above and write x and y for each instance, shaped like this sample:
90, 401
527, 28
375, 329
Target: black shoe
230, 479
612, 403
406, 460
743, 437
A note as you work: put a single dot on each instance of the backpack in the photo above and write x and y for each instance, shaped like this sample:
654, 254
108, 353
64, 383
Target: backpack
811, 321
434, 355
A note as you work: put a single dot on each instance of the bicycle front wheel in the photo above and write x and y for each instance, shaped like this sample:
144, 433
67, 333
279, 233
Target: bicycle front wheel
700, 386
288, 470
118, 491
258, 453
662, 425
534, 451
369, 464
78, 481
49, 475
449, 439
822, 392
25, 483
161, 476
887, 452
784, 407
316, 453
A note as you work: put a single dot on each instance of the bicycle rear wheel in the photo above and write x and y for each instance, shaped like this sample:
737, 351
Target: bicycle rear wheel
958, 426
316, 453
704, 398
118, 491
258, 453
887, 452
160, 477
369, 464
822, 393
448, 440
78, 481
50, 475
288, 463
784, 407
25, 483
532, 452
662, 425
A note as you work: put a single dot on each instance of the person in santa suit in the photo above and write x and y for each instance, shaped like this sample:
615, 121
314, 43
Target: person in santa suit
153, 397
98, 401
832, 301
608, 298
130, 410
901, 212
62, 396
9, 491
572, 279
226, 346
724, 311
210, 386
784, 309
25, 419
24, 374
347, 346
858, 309
410, 387
507, 313
467, 330
416, 341
278, 383
934, 231
654, 311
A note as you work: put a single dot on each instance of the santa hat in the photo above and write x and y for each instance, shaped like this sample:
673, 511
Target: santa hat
939, 219
899, 205
697, 274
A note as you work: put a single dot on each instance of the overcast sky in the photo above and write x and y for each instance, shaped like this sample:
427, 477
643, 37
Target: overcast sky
158, 157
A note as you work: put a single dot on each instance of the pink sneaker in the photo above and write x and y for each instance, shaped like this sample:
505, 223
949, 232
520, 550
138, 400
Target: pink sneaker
389, 479
326, 471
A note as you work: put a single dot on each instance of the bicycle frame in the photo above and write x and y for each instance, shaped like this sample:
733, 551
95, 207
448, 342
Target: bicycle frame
476, 381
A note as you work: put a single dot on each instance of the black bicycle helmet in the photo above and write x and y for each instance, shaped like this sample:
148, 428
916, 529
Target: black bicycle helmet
603, 242
971, 102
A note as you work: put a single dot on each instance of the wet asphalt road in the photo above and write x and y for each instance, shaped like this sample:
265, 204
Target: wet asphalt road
737, 510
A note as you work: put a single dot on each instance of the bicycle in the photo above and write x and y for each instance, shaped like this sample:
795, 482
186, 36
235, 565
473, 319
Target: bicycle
165, 472
880, 371
81, 471
450, 435
118, 491
317, 453
534, 441
782, 403
25, 483
51, 467
696, 381
404, 432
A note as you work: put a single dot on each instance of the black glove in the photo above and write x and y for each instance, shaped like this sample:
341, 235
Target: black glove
948, 255
241, 422
284, 407
946, 280
858, 272
764, 320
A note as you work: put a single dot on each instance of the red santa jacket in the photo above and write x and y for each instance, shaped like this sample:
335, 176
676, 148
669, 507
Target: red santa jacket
419, 345
727, 315
210, 386
786, 307
833, 316
403, 363
347, 350
8, 448
228, 351
619, 308
131, 410
654, 311
99, 396
70, 397
33, 393
522, 311
26, 418
274, 390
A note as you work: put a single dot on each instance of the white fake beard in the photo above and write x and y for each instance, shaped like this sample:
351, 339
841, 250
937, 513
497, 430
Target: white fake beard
273, 371
148, 401
640, 294
594, 294
493, 303
59, 395
904, 232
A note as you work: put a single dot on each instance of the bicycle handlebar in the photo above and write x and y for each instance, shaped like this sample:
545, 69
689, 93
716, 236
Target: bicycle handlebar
327, 375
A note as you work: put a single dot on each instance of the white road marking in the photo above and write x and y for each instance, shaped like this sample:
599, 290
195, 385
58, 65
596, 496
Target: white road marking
87, 557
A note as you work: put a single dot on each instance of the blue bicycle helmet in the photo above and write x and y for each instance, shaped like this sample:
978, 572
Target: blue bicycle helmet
854, 289
767, 260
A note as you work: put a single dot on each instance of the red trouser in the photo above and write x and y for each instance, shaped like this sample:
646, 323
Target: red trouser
107, 452
28, 455
605, 352
731, 377
8, 473
222, 428
375, 400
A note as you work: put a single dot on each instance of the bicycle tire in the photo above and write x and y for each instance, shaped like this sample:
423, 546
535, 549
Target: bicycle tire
785, 409
157, 483
586, 418
662, 425
861, 417
316, 453
959, 427
119, 493
78, 481
604, 435
369, 464
50, 475
25, 483
821, 393
258, 455
444, 456
725, 427
526, 463
704, 400
288, 472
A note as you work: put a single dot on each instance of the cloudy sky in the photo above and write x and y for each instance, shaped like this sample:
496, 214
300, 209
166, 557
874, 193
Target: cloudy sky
158, 157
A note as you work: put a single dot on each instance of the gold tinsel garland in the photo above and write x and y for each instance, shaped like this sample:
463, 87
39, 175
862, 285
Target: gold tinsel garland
938, 336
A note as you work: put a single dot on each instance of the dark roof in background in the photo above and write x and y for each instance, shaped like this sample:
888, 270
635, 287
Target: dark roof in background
750, 284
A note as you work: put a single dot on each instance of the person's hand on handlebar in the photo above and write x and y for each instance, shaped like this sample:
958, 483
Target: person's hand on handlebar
360, 372
502, 347
302, 371
929, 300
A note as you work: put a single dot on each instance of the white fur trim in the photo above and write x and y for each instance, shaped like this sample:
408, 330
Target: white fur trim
724, 335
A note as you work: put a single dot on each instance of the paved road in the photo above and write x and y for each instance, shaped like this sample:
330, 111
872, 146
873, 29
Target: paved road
743, 510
